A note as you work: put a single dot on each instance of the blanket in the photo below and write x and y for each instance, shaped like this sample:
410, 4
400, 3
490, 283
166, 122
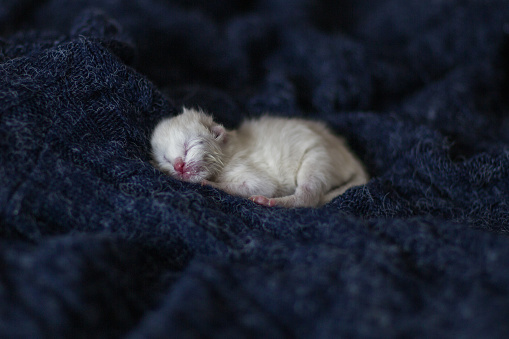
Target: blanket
97, 243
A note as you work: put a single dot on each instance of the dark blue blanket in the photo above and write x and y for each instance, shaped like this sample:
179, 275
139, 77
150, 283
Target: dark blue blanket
97, 243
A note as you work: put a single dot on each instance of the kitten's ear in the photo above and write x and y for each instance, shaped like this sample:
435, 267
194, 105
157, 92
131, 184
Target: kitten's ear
219, 132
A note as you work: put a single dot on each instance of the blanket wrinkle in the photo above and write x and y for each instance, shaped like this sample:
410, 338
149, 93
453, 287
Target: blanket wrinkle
96, 242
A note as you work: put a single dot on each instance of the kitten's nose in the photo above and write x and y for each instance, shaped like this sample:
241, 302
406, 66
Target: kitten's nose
179, 165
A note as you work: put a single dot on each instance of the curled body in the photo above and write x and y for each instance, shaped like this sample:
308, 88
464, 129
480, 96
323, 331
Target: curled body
270, 160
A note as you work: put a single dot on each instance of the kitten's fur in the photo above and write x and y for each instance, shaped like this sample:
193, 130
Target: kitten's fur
270, 160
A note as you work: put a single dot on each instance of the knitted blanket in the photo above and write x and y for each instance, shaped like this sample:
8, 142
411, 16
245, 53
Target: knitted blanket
97, 243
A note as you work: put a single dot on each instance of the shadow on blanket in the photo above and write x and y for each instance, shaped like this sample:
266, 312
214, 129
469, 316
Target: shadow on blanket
97, 243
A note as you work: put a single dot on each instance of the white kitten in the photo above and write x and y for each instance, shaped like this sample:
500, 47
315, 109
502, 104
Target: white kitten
272, 161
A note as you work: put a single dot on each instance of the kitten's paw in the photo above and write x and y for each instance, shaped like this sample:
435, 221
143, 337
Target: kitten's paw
264, 201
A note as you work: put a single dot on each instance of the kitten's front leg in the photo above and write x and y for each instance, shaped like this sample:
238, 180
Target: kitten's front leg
262, 200
303, 197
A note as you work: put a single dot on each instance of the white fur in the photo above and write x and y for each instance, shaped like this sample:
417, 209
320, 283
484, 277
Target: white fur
272, 161
190, 136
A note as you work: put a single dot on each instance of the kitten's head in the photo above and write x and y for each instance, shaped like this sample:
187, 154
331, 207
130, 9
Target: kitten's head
189, 146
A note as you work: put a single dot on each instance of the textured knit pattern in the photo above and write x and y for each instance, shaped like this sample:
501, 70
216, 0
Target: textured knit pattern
96, 243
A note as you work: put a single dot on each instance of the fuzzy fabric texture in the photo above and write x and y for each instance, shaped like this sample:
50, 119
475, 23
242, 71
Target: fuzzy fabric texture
96, 243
